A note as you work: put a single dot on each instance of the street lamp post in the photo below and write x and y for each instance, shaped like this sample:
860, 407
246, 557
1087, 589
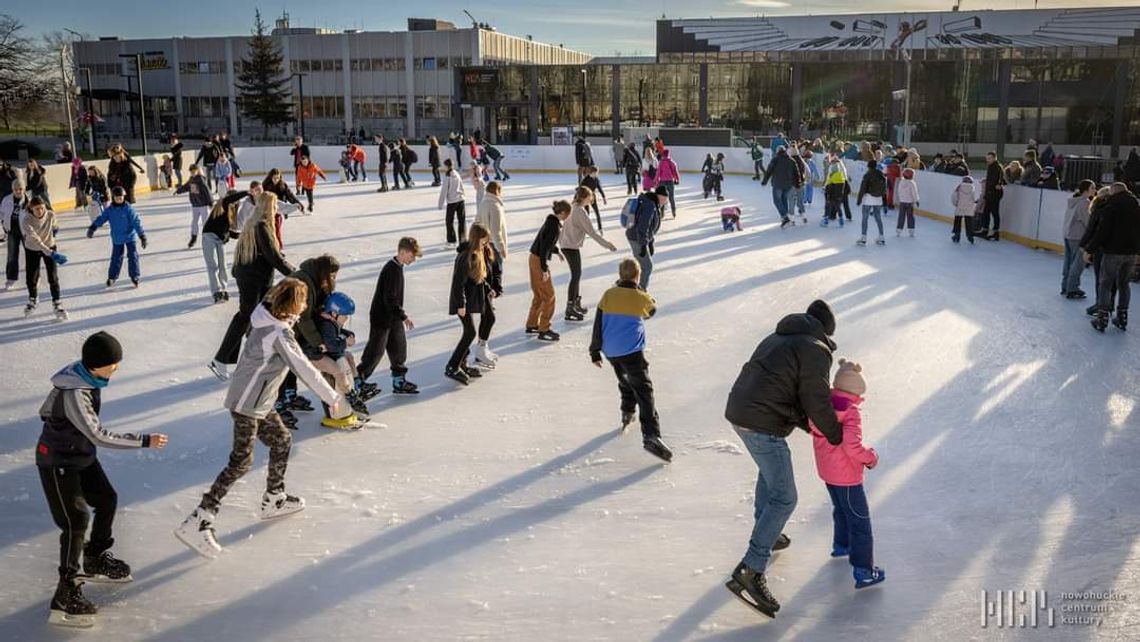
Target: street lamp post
90, 108
301, 92
583, 104
66, 96
138, 58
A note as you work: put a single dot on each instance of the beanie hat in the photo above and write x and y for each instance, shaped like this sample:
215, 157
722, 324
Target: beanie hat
101, 350
822, 313
661, 191
849, 378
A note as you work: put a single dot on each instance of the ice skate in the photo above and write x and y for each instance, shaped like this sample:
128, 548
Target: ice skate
1100, 321
862, 242
457, 375
549, 335
401, 386
193, 241
274, 505
29, 309
134, 281
955, 239
286, 417
911, 233
880, 241
751, 588
110, 283
368, 390
898, 233
70, 608
823, 222
220, 370
8, 285
60, 313
484, 358
225, 295
627, 420
1121, 319
572, 313
217, 297
839, 551
471, 371
803, 218
582, 310
351, 422
786, 223
654, 446
357, 403
865, 577
105, 567
1076, 294
294, 401
197, 532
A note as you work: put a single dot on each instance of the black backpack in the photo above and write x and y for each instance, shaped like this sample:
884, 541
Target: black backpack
412, 157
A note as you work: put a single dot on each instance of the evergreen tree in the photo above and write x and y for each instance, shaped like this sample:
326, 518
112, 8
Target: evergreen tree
262, 83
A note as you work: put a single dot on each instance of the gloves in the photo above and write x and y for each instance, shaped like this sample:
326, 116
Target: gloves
91, 232
55, 230
58, 258
643, 252
651, 249
142, 239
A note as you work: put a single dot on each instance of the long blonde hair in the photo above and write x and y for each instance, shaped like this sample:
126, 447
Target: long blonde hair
583, 195
263, 214
477, 240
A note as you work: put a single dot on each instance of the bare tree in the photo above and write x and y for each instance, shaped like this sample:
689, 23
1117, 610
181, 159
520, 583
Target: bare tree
17, 77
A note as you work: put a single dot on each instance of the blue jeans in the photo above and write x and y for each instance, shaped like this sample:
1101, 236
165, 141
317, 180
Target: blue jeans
809, 191
798, 198
670, 185
775, 494
646, 263
877, 212
852, 520
1074, 266
499, 171
780, 198
117, 260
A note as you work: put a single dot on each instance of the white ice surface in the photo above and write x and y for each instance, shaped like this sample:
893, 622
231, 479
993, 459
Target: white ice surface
512, 509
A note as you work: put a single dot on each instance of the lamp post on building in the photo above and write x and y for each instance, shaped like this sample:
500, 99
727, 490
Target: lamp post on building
301, 92
90, 108
66, 96
583, 104
138, 58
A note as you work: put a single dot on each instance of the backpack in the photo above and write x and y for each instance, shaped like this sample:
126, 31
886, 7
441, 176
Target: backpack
629, 212
412, 156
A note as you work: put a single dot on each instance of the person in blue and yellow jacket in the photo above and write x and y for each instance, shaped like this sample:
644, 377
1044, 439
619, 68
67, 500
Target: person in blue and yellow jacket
619, 332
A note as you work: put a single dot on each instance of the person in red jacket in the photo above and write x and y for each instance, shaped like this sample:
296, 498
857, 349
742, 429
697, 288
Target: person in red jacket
307, 173
356, 153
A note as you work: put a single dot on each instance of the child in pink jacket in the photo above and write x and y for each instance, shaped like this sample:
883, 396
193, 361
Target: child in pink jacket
841, 469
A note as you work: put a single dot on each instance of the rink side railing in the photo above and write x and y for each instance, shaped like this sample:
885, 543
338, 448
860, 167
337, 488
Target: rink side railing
1029, 216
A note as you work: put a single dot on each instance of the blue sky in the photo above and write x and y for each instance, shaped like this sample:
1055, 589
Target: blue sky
600, 27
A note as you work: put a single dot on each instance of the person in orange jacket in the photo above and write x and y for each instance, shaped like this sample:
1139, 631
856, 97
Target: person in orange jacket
307, 173
356, 153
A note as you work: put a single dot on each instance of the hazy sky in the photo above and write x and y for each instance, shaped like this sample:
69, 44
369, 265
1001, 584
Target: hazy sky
600, 27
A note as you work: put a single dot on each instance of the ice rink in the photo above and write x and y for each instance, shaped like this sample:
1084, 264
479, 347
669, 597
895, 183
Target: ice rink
513, 509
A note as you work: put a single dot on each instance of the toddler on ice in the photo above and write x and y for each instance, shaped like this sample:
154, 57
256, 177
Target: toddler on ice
841, 469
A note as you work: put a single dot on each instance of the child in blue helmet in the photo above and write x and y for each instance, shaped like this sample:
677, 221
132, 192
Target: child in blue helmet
332, 356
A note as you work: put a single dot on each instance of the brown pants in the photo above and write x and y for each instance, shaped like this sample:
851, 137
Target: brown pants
542, 303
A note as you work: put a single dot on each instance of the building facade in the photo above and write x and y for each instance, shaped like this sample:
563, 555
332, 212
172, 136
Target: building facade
394, 83
989, 77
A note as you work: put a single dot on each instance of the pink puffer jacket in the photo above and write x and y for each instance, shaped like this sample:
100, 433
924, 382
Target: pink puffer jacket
843, 465
667, 169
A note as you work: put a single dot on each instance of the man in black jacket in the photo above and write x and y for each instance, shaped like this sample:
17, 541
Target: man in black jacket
785, 175
387, 321
208, 158
1116, 238
784, 383
382, 154
584, 157
991, 206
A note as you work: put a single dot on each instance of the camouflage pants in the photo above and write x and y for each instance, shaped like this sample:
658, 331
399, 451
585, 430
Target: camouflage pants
274, 435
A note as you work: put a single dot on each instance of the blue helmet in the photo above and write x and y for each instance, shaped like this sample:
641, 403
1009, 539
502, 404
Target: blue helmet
340, 304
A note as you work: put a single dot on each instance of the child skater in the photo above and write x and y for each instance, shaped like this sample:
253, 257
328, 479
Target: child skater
841, 468
126, 229
271, 352
574, 232
906, 197
200, 201
475, 279
834, 193
38, 227
542, 288
73, 478
332, 356
965, 201
591, 181
307, 173
619, 333
387, 322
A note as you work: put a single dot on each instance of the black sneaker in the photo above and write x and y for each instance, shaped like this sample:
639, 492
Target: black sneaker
751, 588
549, 335
105, 567
457, 375
654, 446
782, 542
69, 607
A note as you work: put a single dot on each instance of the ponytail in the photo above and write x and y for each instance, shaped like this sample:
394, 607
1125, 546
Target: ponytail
1084, 186
560, 206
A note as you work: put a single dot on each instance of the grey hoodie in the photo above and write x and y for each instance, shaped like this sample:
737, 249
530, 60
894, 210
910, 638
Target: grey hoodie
1076, 217
271, 351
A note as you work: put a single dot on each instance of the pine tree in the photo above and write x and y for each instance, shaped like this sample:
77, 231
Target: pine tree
262, 83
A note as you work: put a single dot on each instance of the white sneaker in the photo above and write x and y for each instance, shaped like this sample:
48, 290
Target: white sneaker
220, 370
197, 532
279, 505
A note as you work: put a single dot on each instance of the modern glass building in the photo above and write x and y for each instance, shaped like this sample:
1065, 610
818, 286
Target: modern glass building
1068, 76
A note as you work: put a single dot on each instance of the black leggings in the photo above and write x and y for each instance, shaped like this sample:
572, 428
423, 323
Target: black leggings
33, 258
249, 296
435, 174
597, 214
574, 260
486, 321
454, 210
631, 180
459, 356
309, 196
69, 492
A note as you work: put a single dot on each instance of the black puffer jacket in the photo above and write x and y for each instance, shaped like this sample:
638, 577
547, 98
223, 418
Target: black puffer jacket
786, 381
783, 172
1116, 229
473, 297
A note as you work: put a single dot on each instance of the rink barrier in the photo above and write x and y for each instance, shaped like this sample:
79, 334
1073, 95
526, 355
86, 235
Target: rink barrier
1030, 216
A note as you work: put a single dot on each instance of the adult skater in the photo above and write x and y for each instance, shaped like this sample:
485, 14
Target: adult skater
455, 142
121, 171
474, 281
207, 159
574, 232
872, 191
256, 257
11, 209
387, 322
783, 385
359, 162
175, 151
642, 232
668, 176
126, 228
496, 156
1116, 238
619, 333
298, 151
433, 160
382, 157
35, 177
409, 157
307, 173
541, 286
491, 215
584, 157
1076, 223
451, 195
618, 150
631, 161
38, 226
200, 201
275, 184
994, 190
271, 352
73, 479
397, 167
216, 232
319, 275
784, 174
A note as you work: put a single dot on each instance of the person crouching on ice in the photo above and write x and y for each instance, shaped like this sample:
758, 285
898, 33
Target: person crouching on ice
271, 351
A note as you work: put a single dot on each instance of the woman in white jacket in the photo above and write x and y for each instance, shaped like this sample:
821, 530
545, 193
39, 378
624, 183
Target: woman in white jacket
906, 195
489, 214
965, 201
574, 232
451, 195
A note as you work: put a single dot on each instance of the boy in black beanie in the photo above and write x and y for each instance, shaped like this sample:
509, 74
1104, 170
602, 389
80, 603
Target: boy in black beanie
73, 478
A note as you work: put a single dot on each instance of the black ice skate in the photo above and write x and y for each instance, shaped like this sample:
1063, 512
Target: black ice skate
654, 446
572, 313
404, 387
626, 420
751, 588
105, 567
457, 375
1100, 321
471, 371
582, 310
368, 390
358, 405
1121, 319
294, 401
274, 505
549, 335
70, 608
